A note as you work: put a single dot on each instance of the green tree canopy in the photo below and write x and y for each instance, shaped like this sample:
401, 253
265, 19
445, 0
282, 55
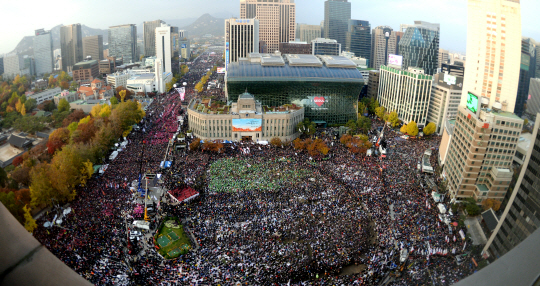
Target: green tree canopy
412, 128
63, 105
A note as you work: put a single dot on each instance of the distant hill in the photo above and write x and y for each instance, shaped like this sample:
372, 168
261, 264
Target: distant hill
206, 24
25, 46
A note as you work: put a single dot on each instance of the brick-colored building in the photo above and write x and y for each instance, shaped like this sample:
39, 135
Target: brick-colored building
295, 48
85, 71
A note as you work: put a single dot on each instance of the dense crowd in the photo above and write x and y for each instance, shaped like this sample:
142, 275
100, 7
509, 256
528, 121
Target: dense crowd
267, 216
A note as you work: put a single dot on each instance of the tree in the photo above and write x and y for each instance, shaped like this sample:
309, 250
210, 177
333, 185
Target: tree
41, 190
412, 128
364, 124
126, 114
73, 86
3, 178
403, 129
21, 174
471, 207
19, 105
85, 132
361, 108
393, 119
74, 116
17, 161
63, 105
379, 111
345, 139
114, 101
276, 142
430, 128
306, 127
29, 222
122, 95
491, 204
195, 144
57, 139
299, 144
23, 110
64, 84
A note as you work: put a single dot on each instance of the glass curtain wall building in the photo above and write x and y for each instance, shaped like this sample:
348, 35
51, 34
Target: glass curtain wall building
527, 71
326, 86
420, 47
359, 39
336, 17
123, 42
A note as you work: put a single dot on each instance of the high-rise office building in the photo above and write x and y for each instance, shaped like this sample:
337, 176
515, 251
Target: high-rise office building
13, 65
533, 102
527, 71
522, 214
443, 57
241, 38
445, 98
93, 46
123, 42
359, 39
277, 20
43, 52
493, 51
1, 65
373, 83
486, 132
406, 92
451, 69
337, 14
383, 43
71, 46
149, 35
308, 33
326, 47
185, 49
420, 47
163, 46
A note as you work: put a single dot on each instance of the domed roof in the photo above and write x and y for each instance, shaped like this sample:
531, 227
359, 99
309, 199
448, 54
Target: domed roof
246, 95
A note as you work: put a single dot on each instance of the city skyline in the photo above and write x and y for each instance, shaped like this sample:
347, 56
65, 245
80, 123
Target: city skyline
385, 12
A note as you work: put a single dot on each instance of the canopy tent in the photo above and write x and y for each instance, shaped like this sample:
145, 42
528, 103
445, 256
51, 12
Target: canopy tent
96, 168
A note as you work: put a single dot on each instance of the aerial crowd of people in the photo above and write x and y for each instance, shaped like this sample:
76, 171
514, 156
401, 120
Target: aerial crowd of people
270, 216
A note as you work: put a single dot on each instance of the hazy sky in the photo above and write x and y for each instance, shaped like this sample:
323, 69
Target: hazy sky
21, 20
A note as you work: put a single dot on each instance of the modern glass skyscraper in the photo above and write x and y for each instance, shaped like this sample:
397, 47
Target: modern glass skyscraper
123, 42
522, 214
71, 46
43, 52
527, 70
337, 14
93, 46
149, 35
359, 39
420, 47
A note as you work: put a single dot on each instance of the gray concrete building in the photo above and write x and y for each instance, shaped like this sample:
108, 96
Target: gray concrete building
93, 46
308, 33
149, 35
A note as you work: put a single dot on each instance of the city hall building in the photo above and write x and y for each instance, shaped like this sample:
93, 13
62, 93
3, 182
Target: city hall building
327, 87
247, 119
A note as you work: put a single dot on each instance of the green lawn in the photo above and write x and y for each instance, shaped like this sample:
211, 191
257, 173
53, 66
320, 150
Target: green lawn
172, 241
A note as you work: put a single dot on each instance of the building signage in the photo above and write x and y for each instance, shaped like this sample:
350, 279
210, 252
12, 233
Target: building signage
246, 124
395, 60
227, 56
472, 103
220, 70
449, 79
319, 100
242, 21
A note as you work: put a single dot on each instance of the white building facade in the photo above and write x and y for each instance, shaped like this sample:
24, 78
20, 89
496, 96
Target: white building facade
445, 97
493, 51
163, 46
241, 38
406, 92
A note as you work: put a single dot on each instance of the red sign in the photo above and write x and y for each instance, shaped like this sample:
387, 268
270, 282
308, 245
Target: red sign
469, 116
486, 125
319, 100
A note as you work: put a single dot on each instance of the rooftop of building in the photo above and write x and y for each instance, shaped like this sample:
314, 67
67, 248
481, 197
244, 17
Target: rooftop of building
143, 76
293, 67
524, 142
491, 219
85, 64
408, 72
501, 113
209, 106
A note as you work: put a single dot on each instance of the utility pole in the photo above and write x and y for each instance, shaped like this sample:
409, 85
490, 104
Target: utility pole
145, 201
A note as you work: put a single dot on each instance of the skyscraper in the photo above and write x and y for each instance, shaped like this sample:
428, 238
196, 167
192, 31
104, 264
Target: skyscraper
43, 52
277, 20
527, 71
445, 97
93, 46
71, 46
383, 43
241, 38
149, 35
308, 33
486, 133
123, 42
337, 14
443, 57
420, 47
493, 51
359, 39
163, 46
521, 216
